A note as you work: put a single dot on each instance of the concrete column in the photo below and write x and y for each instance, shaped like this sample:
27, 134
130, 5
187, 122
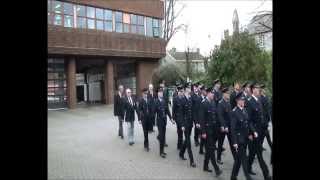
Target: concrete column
71, 83
108, 83
144, 72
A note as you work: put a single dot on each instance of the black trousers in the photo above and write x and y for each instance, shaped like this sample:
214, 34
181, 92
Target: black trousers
161, 136
120, 131
180, 136
255, 148
202, 144
187, 144
153, 122
210, 147
266, 135
146, 127
220, 144
196, 133
241, 159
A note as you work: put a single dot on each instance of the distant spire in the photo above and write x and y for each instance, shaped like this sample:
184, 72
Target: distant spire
235, 21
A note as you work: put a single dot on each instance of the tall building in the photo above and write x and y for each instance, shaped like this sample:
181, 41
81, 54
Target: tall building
93, 46
235, 21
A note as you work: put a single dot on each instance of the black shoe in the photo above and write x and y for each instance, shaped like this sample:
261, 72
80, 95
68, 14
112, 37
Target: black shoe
162, 155
147, 149
223, 149
165, 145
193, 165
121, 137
268, 178
201, 152
207, 169
264, 149
233, 178
252, 173
182, 158
219, 161
218, 173
130, 143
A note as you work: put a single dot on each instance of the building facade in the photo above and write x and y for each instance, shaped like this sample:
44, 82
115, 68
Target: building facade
196, 59
93, 46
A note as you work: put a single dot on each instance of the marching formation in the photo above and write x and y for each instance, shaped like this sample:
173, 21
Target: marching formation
215, 113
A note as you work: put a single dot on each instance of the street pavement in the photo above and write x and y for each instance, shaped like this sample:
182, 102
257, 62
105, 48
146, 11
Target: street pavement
83, 143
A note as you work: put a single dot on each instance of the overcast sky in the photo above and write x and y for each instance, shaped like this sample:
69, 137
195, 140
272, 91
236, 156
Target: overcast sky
212, 17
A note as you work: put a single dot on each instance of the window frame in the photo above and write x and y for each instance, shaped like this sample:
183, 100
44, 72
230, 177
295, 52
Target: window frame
116, 22
81, 16
105, 20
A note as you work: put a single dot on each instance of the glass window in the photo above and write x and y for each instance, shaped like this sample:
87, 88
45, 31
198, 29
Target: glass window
49, 6
133, 19
141, 30
81, 22
68, 21
108, 15
140, 20
91, 24
99, 13
155, 32
90, 12
108, 26
57, 6
99, 25
57, 19
68, 8
126, 28
155, 23
49, 18
81, 10
126, 18
133, 28
149, 26
118, 16
118, 27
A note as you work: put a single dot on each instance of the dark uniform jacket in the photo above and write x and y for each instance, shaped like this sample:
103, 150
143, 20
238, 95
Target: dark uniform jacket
187, 112
129, 109
208, 117
177, 109
152, 99
196, 101
266, 108
144, 109
224, 109
118, 105
233, 101
217, 95
255, 112
162, 110
166, 95
240, 127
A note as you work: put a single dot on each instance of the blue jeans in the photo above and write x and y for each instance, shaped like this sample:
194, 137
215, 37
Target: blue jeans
130, 126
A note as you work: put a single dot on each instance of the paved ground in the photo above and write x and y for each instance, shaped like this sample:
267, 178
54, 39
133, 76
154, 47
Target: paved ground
83, 144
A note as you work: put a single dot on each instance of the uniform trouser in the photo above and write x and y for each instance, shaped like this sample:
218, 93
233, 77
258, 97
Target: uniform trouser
145, 126
221, 137
153, 122
210, 146
266, 135
187, 144
241, 159
161, 136
202, 144
196, 133
120, 131
220, 145
180, 136
255, 148
130, 126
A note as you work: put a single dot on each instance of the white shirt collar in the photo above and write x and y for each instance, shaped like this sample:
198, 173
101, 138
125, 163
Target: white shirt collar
255, 97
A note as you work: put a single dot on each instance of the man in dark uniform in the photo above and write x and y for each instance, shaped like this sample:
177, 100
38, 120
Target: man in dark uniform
267, 116
203, 98
161, 112
235, 92
240, 134
209, 130
165, 92
256, 119
152, 97
217, 97
118, 109
186, 125
145, 110
196, 100
177, 113
224, 109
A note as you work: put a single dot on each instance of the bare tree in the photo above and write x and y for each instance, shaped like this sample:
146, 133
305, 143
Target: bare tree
170, 27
